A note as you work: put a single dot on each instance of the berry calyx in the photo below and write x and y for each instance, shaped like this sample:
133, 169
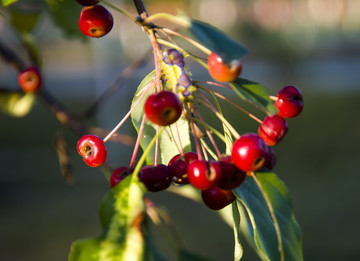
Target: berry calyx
119, 175
273, 129
95, 21
92, 149
289, 102
163, 108
204, 175
249, 152
222, 72
155, 178
232, 177
87, 2
216, 198
30, 80
178, 167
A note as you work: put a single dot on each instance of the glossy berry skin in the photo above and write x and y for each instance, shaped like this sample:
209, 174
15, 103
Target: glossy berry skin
178, 167
222, 72
273, 129
204, 175
95, 21
155, 178
216, 198
163, 108
30, 80
249, 152
87, 2
289, 102
232, 177
270, 160
92, 149
119, 175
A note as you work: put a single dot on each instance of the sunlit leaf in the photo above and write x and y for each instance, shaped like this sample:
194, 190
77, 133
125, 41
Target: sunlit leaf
217, 41
254, 92
121, 214
258, 224
168, 143
16, 104
8, 2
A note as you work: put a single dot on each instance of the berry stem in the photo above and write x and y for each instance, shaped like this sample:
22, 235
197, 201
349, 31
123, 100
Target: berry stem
129, 112
206, 147
192, 128
156, 50
272, 215
222, 137
214, 83
169, 17
156, 160
232, 103
124, 12
204, 150
179, 139
211, 107
274, 98
137, 144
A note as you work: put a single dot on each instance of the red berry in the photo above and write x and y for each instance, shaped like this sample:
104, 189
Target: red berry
163, 108
30, 80
95, 21
216, 198
289, 102
155, 178
249, 152
119, 175
92, 149
222, 72
273, 129
204, 175
87, 2
178, 166
232, 177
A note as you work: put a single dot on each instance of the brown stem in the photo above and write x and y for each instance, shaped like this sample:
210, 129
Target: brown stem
140, 8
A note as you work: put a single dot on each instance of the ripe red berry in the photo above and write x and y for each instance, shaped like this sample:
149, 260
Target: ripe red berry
289, 102
87, 2
273, 129
232, 177
119, 175
155, 178
249, 152
222, 72
216, 198
270, 160
95, 21
92, 149
178, 167
163, 108
30, 80
204, 175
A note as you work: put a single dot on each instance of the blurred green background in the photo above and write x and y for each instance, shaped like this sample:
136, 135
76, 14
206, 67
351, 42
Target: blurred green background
312, 44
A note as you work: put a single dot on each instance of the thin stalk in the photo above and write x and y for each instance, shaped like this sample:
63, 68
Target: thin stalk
179, 139
215, 84
211, 107
273, 217
222, 137
204, 150
137, 144
192, 128
157, 51
128, 114
169, 17
156, 160
274, 98
124, 12
206, 147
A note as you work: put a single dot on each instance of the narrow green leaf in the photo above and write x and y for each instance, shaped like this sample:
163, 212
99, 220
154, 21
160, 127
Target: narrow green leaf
217, 41
24, 22
255, 93
259, 228
8, 2
168, 140
16, 104
238, 250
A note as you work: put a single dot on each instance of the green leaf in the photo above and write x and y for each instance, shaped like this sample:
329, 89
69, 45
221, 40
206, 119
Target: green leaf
24, 21
16, 104
254, 92
168, 139
217, 41
259, 226
8, 2
121, 214
238, 250
185, 255
65, 13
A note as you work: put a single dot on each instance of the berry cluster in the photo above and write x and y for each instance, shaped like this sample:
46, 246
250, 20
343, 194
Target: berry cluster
173, 96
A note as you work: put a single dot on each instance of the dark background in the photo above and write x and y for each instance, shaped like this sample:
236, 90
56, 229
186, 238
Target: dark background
313, 45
